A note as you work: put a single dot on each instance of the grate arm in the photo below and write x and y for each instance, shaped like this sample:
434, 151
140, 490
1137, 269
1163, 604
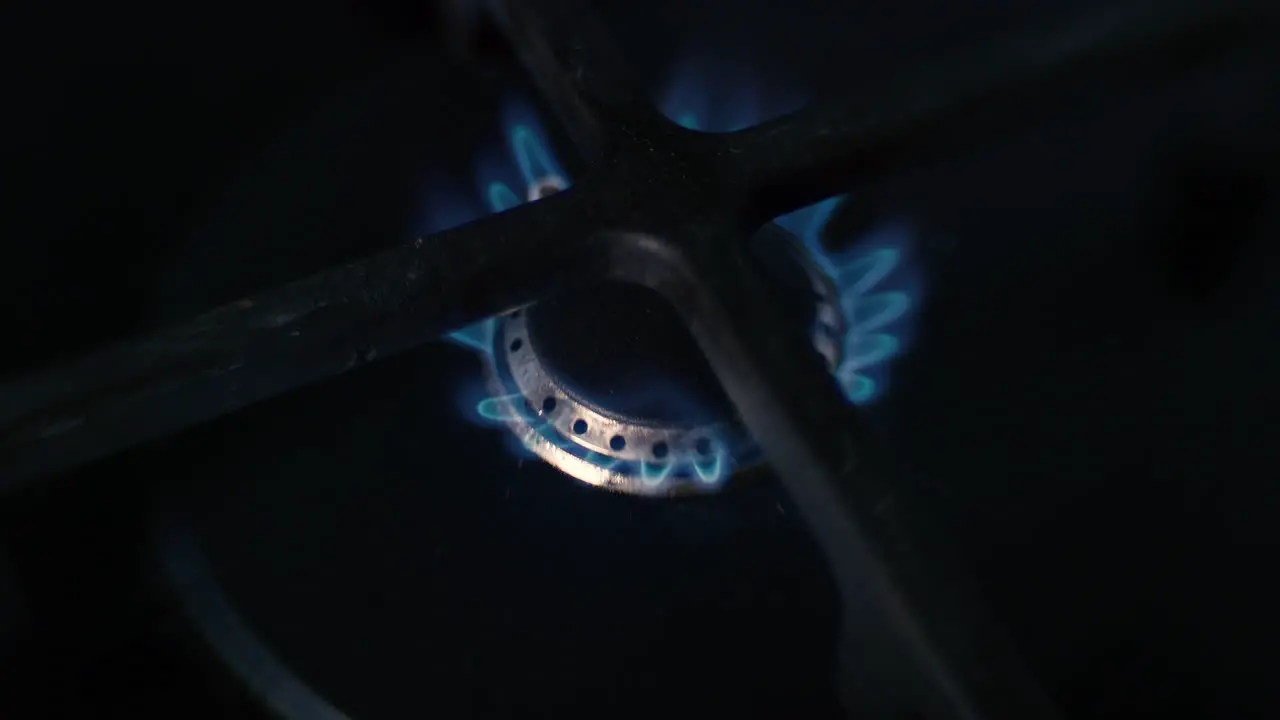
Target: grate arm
579, 70
915, 641
260, 347
965, 101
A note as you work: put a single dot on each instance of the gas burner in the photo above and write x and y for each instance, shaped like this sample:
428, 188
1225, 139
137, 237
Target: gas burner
593, 443
608, 386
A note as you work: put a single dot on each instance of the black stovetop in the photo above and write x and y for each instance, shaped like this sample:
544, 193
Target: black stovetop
1080, 412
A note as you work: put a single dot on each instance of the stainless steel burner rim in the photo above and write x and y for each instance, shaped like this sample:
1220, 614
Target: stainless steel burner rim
625, 455
830, 324
520, 388
583, 468
591, 428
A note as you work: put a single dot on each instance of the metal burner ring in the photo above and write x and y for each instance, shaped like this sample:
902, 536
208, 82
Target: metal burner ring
587, 426
595, 446
626, 454
830, 324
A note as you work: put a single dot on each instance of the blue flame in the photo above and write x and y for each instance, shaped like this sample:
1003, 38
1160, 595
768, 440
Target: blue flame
877, 286
713, 466
708, 99
504, 180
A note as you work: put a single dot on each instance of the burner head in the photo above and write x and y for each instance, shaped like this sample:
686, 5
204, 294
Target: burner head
607, 384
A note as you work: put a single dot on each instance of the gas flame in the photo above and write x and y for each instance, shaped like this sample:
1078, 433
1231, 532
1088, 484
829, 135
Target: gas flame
526, 171
877, 284
878, 288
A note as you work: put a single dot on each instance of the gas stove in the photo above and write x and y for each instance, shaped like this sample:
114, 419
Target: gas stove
684, 308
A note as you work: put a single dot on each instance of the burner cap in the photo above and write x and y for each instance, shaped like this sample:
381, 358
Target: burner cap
607, 384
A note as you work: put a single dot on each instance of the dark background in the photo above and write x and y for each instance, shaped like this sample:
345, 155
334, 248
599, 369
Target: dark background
1089, 403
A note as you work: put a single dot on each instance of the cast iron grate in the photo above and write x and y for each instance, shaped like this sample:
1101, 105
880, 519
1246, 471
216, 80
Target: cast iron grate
669, 208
